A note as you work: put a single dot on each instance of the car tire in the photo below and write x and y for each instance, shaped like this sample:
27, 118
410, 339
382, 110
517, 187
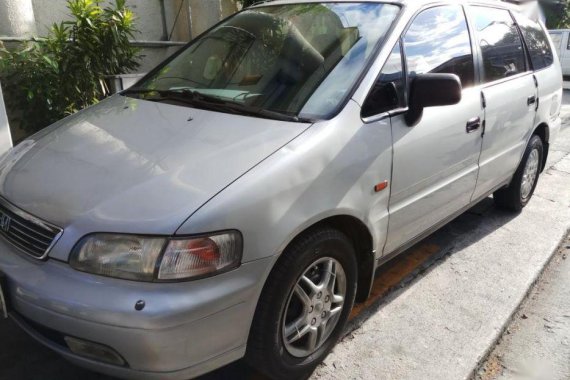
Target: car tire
520, 191
297, 323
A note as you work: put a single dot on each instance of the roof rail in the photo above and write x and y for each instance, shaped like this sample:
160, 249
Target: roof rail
520, 2
258, 3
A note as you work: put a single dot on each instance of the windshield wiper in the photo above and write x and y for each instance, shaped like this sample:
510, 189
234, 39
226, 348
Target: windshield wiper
137, 90
213, 103
244, 109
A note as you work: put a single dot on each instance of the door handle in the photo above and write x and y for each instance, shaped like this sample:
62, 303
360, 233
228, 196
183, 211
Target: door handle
473, 124
531, 100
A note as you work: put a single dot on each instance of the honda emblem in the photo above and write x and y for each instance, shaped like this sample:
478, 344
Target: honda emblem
5, 221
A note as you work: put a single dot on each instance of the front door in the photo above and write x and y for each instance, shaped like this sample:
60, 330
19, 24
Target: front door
435, 162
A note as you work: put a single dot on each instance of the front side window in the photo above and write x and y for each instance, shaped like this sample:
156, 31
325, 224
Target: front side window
388, 91
438, 42
500, 42
537, 42
296, 59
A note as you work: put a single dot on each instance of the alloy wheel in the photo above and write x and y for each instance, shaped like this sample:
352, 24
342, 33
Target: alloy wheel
530, 173
314, 307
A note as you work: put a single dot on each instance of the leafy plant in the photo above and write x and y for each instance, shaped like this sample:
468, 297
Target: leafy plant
557, 13
49, 78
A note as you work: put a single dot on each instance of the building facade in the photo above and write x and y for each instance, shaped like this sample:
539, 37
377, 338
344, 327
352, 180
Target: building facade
164, 25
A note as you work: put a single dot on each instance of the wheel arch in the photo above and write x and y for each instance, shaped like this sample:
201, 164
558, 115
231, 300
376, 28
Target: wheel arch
363, 243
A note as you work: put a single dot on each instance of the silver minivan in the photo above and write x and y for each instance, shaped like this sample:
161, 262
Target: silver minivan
237, 200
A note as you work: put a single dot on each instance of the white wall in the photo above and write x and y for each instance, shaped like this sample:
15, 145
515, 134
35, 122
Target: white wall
149, 15
16, 18
24, 18
148, 12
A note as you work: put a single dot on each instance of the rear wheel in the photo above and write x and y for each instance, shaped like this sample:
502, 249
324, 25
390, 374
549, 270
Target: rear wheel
524, 182
304, 306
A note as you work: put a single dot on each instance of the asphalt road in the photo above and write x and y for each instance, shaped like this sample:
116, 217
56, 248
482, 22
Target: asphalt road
21, 358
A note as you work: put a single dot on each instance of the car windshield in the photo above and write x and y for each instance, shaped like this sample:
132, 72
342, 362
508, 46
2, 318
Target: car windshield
295, 60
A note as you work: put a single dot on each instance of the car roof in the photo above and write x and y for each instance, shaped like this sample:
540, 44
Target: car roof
511, 4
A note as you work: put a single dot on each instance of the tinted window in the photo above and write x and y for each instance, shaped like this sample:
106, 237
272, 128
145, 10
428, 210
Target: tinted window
295, 59
438, 42
537, 43
388, 92
501, 44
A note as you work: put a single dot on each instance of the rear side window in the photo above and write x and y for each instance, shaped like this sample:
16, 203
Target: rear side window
500, 42
438, 42
537, 43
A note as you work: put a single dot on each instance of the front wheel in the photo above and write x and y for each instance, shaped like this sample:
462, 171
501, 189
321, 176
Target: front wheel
524, 182
304, 306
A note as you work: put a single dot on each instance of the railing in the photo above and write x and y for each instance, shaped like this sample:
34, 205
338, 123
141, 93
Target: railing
139, 43
121, 82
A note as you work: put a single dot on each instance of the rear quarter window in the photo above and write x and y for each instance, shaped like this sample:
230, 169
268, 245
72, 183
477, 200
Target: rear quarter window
536, 40
500, 42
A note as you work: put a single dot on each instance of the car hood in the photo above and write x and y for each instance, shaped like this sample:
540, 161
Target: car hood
135, 166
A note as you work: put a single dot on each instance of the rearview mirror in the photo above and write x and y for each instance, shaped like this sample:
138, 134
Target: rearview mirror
432, 90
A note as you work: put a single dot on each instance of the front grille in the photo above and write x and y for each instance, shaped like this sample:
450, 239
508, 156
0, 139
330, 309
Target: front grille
26, 232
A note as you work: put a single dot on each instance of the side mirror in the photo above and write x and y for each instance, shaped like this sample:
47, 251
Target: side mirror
432, 90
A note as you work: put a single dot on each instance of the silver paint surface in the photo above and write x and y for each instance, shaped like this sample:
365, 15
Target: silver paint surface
134, 166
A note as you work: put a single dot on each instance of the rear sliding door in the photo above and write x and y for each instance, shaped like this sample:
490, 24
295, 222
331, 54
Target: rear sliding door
510, 96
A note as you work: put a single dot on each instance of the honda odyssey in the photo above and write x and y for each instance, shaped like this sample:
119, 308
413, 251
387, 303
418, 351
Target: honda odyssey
238, 199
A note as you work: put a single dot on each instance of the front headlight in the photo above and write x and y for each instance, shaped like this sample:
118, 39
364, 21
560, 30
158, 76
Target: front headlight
143, 258
120, 256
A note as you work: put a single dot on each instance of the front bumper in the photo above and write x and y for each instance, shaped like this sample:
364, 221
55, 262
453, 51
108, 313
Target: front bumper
185, 330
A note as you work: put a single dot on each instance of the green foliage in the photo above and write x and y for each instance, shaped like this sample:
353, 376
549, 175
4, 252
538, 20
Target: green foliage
557, 14
52, 77
564, 22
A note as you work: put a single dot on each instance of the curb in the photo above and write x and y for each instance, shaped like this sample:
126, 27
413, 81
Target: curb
511, 318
